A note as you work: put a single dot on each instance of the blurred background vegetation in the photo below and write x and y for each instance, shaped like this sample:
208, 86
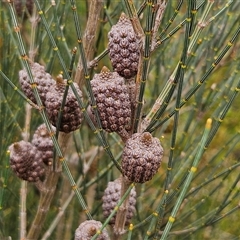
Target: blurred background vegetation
210, 209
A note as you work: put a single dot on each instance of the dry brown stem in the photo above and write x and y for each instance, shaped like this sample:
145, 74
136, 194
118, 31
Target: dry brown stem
95, 7
91, 155
119, 227
160, 9
140, 35
46, 196
47, 191
23, 190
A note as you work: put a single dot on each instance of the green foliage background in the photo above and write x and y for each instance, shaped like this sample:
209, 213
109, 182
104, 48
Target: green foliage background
209, 101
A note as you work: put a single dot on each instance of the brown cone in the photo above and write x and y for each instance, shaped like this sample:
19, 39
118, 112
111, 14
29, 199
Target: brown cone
88, 229
25, 161
42, 79
22, 6
71, 116
124, 48
43, 142
142, 156
112, 100
111, 197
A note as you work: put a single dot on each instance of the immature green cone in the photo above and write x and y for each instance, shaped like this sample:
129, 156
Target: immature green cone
112, 100
88, 229
43, 142
124, 48
42, 79
22, 6
25, 161
111, 197
142, 156
71, 115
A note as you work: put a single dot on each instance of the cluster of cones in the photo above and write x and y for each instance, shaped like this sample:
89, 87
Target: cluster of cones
142, 153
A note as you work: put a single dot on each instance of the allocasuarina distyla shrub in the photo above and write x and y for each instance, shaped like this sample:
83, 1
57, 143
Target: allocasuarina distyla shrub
110, 119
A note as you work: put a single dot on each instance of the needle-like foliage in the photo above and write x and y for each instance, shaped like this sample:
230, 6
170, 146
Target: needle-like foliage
149, 100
